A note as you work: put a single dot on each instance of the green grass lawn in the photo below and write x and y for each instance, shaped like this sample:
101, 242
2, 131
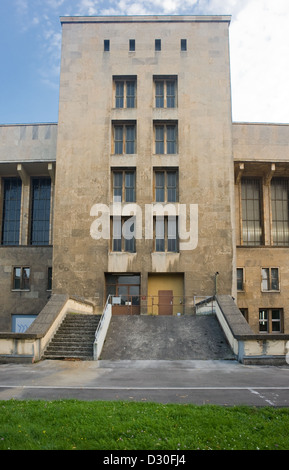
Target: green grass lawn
84, 425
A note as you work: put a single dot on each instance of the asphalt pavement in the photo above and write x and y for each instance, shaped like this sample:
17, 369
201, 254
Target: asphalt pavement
225, 382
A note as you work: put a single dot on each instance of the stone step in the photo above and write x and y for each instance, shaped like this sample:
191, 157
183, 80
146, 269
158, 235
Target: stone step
74, 338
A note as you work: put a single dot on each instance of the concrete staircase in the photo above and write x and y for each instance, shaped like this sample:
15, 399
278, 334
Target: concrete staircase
147, 337
74, 338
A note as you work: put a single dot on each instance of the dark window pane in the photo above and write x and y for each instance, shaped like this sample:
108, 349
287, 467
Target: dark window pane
160, 186
11, 211
158, 45
159, 94
171, 94
25, 278
172, 234
130, 186
117, 186
280, 211
17, 278
171, 139
132, 44
172, 186
251, 212
159, 139
40, 213
118, 140
130, 94
130, 140
183, 44
119, 94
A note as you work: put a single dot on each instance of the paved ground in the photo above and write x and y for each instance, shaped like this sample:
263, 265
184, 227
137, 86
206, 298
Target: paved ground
200, 382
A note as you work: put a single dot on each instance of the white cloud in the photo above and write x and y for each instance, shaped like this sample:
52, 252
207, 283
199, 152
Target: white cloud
259, 43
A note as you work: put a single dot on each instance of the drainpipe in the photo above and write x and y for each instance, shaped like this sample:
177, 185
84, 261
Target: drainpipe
216, 287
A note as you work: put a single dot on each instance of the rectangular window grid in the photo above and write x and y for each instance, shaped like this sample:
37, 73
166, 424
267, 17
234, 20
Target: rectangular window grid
123, 234
165, 93
165, 139
125, 94
21, 278
166, 234
270, 320
166, 185
270, 279
124, 139
124, 185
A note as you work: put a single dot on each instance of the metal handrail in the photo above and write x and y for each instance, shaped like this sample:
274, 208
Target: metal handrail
102, 317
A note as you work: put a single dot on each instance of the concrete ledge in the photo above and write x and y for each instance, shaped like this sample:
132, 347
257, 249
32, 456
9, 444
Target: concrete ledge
250, 348
29, 346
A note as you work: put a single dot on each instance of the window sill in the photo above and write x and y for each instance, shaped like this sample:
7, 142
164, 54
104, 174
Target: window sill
20, 290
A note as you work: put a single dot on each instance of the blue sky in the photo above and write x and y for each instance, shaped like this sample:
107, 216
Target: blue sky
30, 45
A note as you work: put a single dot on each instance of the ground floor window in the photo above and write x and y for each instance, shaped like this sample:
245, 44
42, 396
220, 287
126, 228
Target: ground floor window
271, 320
21, 278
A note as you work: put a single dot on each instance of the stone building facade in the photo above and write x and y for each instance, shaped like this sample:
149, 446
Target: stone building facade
145, 190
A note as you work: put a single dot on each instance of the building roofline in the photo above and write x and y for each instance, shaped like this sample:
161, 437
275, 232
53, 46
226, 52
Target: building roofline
28, 124
147, 19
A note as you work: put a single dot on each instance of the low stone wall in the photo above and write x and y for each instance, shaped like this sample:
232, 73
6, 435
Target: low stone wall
249, 348
29, 346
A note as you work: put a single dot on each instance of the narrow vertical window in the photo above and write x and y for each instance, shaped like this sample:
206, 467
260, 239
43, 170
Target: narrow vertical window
106, 45
240, 279
40, 211
280, 211
171, 139
251, 212
130, 140
49, 279
11, 211
158, 45
132, 45
171, 94
183, 44
130, 94
119, 94
118, 140
159, 139
159, 94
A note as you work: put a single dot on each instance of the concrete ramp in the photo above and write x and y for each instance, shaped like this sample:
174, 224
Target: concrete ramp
165, 338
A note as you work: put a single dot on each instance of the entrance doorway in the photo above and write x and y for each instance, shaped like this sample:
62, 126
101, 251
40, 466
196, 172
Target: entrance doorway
165, 302
165, 294
125, 293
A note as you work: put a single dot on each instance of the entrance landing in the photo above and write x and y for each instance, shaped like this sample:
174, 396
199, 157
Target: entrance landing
165, 338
